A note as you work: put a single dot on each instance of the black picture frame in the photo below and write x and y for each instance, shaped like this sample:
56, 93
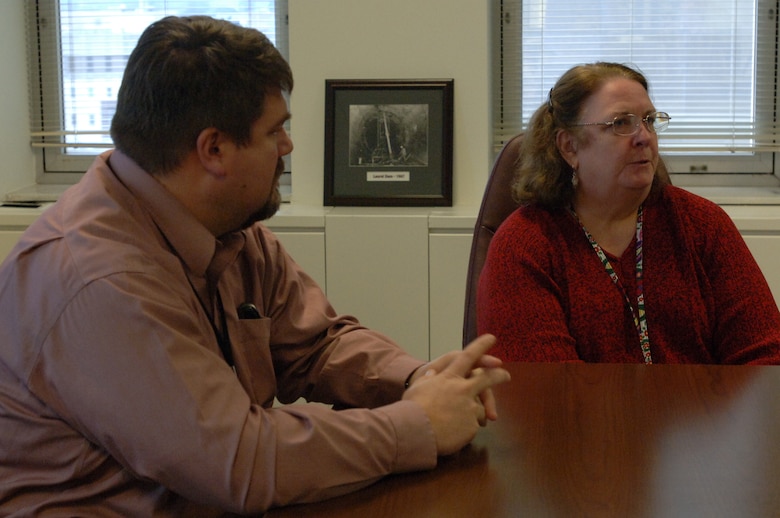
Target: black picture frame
388, 142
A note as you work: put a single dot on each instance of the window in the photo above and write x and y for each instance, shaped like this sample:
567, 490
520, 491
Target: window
712, 67
78, 51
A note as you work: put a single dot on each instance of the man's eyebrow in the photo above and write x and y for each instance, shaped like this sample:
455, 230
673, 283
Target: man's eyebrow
284, 118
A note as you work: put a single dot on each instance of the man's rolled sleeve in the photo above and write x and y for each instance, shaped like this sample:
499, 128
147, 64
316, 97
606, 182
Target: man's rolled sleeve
416, 443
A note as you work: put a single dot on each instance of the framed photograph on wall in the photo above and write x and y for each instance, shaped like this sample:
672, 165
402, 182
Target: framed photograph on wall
388, 142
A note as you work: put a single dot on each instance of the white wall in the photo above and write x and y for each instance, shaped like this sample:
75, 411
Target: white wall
18, 166
329, 39
391, 39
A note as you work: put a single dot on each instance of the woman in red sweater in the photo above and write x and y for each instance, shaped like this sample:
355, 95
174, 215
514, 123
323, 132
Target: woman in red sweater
606, 261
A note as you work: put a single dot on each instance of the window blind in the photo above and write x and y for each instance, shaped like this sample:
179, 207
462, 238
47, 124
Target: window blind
712, 66
79, 49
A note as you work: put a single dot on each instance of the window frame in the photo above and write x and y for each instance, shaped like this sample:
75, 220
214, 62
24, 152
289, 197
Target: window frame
53, 165
754, 170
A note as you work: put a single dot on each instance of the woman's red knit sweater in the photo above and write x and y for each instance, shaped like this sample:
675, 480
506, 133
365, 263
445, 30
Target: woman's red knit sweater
546, 295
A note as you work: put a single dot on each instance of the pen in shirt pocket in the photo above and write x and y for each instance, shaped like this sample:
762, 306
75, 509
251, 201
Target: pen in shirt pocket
248, 311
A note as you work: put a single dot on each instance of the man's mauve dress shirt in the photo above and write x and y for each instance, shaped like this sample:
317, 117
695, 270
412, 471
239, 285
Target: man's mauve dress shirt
116, 400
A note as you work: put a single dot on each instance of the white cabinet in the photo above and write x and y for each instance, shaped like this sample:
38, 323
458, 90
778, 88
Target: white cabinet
301, 230
760, 227
766, 250
449, 249
13, 222
8, 239
308, 250
449, 261
377, 270
402, 271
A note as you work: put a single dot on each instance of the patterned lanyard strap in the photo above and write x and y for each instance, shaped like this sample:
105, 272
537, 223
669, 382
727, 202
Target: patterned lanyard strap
638, 313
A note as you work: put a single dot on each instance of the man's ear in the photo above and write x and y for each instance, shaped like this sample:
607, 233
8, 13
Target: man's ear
567, 146
209, 147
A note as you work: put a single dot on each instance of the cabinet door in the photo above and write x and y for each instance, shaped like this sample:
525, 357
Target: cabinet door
308, 250
449, 255
377, 270
766, 250
8, 239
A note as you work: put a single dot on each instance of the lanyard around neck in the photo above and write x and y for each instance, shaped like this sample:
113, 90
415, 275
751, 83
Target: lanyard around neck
638, 313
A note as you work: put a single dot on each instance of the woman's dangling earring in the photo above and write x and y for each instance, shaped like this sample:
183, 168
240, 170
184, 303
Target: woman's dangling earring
575, 181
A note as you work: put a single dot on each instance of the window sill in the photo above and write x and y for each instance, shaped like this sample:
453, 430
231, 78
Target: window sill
44, 192
41, 192
753, 209
739, 195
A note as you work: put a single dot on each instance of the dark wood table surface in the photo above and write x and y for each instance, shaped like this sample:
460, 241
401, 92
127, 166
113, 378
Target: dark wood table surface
581, 440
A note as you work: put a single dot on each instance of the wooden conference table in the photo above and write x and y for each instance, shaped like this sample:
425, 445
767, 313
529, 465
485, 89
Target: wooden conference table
581, 440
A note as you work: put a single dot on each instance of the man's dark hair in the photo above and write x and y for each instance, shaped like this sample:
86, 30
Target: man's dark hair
187, 74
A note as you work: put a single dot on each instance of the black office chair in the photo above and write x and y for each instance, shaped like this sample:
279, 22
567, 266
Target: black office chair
497, 204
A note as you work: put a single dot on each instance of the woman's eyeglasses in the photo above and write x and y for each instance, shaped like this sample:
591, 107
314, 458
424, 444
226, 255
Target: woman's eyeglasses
628, 123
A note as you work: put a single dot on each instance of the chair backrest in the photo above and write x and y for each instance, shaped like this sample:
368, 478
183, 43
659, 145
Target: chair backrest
497, 204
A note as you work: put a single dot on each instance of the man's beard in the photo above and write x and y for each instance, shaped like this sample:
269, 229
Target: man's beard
272, 204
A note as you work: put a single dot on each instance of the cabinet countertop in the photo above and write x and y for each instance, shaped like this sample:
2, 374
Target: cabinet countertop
748, 218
